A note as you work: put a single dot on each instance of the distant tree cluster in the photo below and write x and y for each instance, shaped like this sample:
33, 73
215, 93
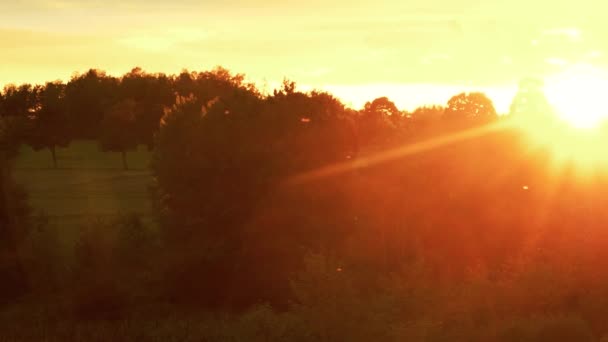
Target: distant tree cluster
119, 112
124, 112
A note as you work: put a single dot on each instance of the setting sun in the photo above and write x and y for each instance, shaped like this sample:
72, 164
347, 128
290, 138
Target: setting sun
578, 96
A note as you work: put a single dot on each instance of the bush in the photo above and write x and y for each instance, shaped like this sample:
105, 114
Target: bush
135, 243
107, 268
14, 224
44, 258
332, 306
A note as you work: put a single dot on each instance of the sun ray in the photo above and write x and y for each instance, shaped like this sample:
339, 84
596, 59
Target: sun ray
399, 152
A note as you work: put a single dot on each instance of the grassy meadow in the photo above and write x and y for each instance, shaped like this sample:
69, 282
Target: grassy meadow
87, 184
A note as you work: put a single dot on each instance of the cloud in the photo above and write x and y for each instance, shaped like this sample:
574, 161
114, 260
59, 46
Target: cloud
571, 33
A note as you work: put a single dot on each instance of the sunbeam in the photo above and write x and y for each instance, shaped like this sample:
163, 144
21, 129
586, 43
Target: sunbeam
399, 152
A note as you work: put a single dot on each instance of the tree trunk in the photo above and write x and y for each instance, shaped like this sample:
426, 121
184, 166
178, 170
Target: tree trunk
124, 160
54, 155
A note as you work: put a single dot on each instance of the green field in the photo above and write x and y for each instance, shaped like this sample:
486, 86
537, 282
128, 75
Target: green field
86, 185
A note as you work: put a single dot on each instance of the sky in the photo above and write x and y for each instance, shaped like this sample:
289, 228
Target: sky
414, 52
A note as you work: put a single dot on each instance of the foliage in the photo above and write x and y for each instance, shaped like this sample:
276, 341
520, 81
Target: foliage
231, 153
117, 128
49, 124
111, 257
470, 108
18, 101
151, 94
12, 134
88, 97
14, 219
44, 258
379, 120
333, 307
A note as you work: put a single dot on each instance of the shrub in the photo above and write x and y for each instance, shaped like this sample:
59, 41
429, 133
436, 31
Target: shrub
98, 290
44, 257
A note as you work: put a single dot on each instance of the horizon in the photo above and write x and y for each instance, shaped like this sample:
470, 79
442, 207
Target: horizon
407, 97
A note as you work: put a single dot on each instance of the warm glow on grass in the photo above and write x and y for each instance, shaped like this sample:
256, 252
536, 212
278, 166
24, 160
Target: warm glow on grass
579, 96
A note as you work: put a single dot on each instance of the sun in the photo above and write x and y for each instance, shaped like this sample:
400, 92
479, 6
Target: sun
578, 96
576, 140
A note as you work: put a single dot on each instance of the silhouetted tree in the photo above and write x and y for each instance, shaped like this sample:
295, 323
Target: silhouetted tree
315, 128
218, 161
377, 122
425, 118
428, 113
18, 101
381, 107
151, 93
214, 137
88, 98
468, 108
49, 125
117, 129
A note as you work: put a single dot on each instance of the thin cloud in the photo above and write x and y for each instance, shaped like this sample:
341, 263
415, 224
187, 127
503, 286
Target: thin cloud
572, 33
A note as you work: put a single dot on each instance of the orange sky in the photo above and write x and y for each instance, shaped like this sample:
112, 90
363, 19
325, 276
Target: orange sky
415, 52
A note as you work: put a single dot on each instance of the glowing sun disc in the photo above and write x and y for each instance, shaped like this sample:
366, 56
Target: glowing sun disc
579, 95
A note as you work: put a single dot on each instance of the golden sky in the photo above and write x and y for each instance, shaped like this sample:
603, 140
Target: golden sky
415, 52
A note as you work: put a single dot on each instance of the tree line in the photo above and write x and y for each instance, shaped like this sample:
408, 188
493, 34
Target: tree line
122, 112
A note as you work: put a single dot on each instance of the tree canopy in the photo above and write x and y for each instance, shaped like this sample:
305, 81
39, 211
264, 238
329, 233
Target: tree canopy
49, 125
118, 128
471, 107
